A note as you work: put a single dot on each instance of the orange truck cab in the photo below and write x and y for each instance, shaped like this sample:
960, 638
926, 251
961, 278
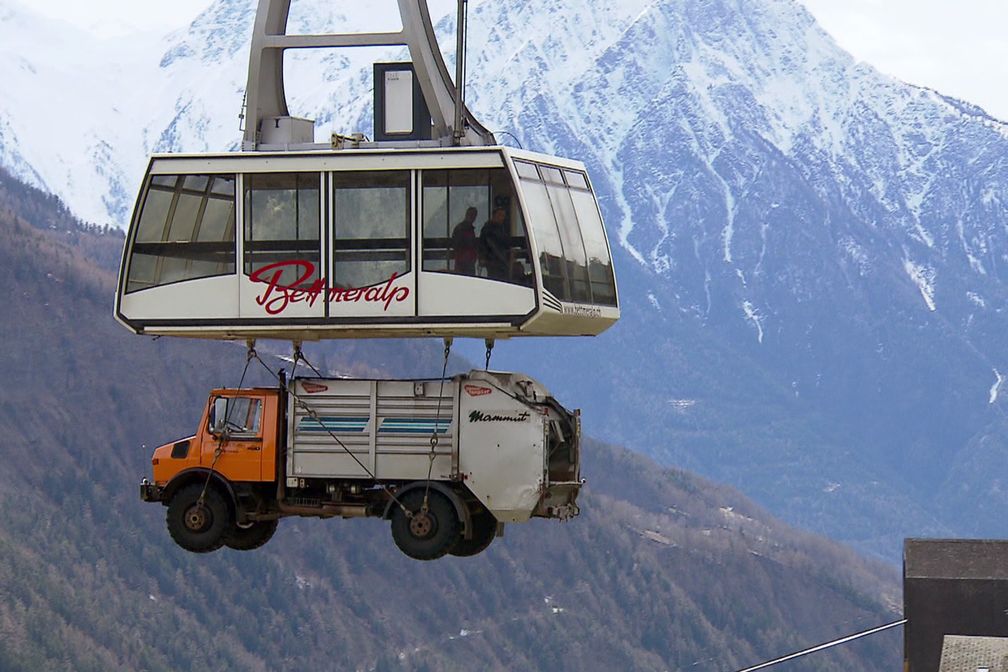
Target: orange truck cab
247, 456
232, 457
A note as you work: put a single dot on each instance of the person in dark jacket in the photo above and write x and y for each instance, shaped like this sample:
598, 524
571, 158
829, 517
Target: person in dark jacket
495, 245
464, 244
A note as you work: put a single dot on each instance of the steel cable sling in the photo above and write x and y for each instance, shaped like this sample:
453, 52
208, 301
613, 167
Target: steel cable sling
316, 417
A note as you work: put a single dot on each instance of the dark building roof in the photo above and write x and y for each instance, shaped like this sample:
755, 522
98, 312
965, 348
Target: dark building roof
953, 587
955, 559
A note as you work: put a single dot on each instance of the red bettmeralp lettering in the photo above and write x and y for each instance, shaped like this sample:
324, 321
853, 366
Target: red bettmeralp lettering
277, 297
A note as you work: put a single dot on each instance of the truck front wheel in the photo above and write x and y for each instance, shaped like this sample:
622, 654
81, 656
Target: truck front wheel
425, 535
250, 537
196, 526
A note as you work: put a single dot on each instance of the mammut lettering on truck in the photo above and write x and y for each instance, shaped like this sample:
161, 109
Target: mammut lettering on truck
499, 449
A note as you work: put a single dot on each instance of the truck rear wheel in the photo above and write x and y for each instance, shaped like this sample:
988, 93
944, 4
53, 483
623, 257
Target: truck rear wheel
196, 526
250, 537
484, 529
425, 535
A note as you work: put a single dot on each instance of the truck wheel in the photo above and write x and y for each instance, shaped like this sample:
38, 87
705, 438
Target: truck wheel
196, 527
484, 530
250, 537
425, 536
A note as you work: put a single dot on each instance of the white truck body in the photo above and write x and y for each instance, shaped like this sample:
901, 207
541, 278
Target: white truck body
500, 435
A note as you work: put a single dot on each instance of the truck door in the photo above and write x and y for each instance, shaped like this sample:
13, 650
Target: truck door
235, 427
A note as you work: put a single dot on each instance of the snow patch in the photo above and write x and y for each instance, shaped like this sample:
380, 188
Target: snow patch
856, 253
923, 235
463, 633
654, 301
974, 263
656, 537
729, 513
923, 277
728, 233
996, 387
977, 300
753, 315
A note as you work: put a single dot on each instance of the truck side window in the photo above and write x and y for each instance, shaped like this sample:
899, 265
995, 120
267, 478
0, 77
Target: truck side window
240, 416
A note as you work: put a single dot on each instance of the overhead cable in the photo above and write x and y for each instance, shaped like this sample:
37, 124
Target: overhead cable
822, 647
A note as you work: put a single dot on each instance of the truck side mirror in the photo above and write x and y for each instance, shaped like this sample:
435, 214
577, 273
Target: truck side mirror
218, 416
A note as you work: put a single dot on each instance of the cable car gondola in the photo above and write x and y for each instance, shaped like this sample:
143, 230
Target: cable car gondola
433, 229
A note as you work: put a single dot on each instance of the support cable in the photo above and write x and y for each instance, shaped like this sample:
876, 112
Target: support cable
823, 647
299, 356
512, 135
437, 425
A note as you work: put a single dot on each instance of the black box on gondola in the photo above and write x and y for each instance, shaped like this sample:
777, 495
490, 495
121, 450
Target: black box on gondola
400, 112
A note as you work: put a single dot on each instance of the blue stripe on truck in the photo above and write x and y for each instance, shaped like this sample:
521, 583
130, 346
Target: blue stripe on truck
414, 426
388, 425
332, 424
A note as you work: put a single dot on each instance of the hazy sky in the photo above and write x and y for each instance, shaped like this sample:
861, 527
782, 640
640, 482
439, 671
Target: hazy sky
109, 16
958, 48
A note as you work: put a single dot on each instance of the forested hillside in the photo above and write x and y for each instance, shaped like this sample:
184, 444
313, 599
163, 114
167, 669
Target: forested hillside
663, 571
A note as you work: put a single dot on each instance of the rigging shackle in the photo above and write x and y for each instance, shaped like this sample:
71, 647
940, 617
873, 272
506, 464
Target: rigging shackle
489, 351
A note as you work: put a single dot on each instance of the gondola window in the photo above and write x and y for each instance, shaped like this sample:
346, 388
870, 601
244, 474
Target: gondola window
547, 234
460, 234
186, 231
282, 224
371, 222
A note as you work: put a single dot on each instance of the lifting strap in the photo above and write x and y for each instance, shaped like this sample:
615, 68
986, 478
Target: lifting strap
315, 416
437, 425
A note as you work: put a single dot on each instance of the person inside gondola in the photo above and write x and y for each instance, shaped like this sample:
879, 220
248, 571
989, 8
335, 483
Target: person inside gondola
494, 245
464, 244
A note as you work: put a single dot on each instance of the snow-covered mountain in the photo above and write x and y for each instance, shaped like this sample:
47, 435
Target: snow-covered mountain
812, 254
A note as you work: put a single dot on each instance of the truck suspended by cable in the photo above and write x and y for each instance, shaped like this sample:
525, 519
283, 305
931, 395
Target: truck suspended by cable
506, 451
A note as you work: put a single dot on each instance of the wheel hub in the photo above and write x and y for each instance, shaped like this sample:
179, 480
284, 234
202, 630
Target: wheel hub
422, 524
197, 517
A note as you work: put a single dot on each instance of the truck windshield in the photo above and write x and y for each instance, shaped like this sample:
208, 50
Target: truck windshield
239, 416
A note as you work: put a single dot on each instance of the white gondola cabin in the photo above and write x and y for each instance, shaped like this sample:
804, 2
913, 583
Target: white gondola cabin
486, 242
